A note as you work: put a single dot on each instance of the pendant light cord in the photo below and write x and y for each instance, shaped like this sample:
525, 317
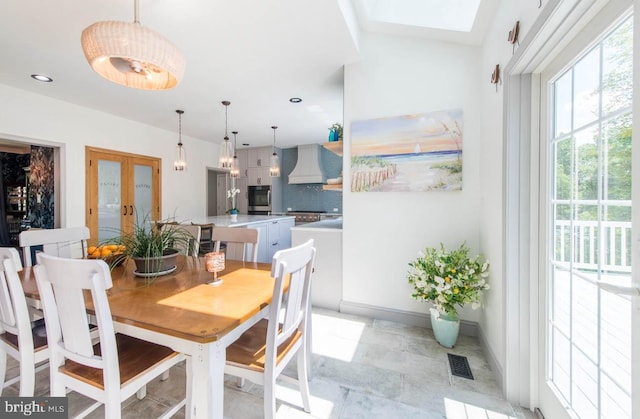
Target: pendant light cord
273, 149
226, 132
136, 12
179, 112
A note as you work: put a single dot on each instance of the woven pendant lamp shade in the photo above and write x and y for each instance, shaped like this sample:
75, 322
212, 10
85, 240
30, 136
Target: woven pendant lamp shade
132, 55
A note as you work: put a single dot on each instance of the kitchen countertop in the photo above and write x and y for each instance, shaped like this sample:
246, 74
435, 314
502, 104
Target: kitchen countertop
334, 224
243, 220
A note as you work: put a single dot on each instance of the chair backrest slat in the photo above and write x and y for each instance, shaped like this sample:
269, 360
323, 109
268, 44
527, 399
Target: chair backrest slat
14, 314
288, 310
63, 242
61, 283
239, 235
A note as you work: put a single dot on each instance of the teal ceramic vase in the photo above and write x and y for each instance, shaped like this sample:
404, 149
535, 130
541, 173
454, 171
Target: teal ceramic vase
445, 328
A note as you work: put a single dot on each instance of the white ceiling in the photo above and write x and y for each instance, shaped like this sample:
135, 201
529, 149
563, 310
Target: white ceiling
255, 53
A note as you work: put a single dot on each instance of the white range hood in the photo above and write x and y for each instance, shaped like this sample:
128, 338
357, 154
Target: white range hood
309, 166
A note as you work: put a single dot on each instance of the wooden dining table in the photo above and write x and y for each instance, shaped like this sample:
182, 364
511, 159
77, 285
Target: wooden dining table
183, 311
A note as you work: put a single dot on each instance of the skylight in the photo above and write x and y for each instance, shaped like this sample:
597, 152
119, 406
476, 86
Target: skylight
452, 15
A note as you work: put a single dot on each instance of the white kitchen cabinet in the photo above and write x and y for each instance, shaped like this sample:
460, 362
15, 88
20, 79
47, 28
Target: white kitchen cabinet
258, 176
279, 235
259, 157
258, 163
273, 236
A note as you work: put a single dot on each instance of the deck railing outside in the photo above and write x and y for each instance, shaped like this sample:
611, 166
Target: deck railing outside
608, 249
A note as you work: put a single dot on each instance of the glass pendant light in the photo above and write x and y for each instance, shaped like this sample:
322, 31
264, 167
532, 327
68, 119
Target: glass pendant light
181, 162
235, 167
274, 167
226, 148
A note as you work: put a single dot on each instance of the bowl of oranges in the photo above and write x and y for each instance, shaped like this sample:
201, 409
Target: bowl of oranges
113, 254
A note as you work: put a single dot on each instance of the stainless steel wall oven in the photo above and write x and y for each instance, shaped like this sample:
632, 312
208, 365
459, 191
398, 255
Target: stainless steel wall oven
259, 199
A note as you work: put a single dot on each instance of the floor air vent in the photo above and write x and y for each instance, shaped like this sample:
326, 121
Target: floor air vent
460, 366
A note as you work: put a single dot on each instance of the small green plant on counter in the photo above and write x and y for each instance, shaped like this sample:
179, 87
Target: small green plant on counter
337, 128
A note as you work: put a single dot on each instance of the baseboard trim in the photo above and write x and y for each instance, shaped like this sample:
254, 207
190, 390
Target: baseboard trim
492, 360
467, 328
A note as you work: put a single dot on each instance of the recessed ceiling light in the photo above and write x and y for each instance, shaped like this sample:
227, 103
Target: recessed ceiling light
295, 100
42, 78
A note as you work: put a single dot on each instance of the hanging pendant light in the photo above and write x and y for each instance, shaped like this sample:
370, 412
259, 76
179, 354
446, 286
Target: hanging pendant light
274, 167
235, 166
181, 162
226, 148
132, 55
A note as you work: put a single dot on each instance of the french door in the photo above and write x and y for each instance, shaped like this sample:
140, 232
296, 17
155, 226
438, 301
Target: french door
589, 303
120, 187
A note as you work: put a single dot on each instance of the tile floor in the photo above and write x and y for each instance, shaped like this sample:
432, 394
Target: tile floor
362, 369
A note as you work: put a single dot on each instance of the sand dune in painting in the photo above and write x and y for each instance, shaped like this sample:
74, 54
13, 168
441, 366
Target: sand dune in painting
408, 153
419, 176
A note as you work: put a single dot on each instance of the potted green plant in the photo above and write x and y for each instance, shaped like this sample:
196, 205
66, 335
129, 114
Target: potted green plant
335, 132
150, 245
448, 279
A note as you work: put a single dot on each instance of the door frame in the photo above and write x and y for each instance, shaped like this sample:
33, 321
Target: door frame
557, 25
211, 190
59, 172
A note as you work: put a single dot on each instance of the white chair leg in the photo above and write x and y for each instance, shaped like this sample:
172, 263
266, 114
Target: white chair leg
269, 398
239, 382
27, 377
112, 408
303, 379
165, 376
57, 388
141, 393
3, 369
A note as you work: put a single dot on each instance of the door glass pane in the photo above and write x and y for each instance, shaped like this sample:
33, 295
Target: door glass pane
109, 205
617, 69
586, 76
563, 105
586, 163
589, 329
143, 191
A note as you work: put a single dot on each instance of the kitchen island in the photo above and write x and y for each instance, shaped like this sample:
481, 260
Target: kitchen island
274, 232
326, 283
243, 220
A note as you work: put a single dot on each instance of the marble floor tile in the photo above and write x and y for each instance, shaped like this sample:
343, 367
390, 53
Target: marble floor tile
361, 368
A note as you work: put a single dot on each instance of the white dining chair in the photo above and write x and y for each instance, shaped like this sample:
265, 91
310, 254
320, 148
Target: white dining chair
188, 238
237, 235
263, 351
109, 371
64, 242
18, 338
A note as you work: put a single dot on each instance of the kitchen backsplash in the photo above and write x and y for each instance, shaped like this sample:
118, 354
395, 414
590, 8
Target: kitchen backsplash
310, 197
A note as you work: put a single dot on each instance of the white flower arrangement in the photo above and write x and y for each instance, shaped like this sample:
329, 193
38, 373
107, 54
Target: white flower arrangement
448, 279
231, 194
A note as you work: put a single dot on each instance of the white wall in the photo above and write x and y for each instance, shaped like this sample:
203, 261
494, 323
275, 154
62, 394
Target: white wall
42, 120
383, 232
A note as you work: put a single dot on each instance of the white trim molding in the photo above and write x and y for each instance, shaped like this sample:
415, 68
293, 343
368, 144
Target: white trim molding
557, 25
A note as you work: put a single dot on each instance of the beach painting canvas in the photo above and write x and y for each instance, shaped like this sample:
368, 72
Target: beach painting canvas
421, 152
